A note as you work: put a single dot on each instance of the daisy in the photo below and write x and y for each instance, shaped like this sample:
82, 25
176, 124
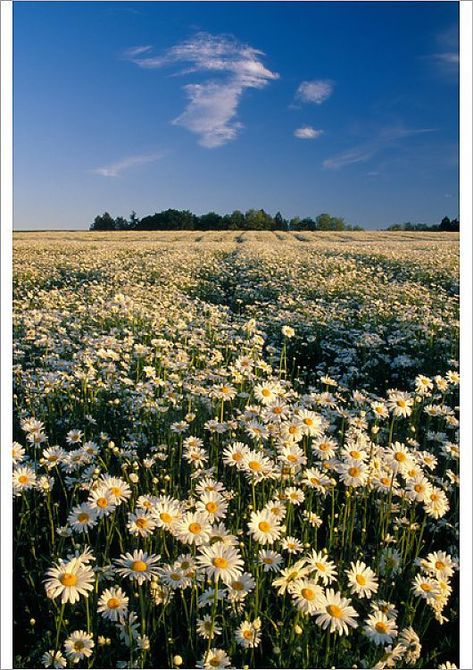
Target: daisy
418, 489
277, 508
335, 613
82, 517
264, 527
439, 564
174, 577
380, 629
248, 634
53, 659
117, 488
316, 479
266, 393
292, 545
139, 566
113, 604
205, 628
380, 410
18, 453
70, 580
193, 528
426, 587
311, 422
53, 456
215, 659
101, 501
362, 580
208, 484
213, 505
219, 533
307, 595
324, 448
410, 640
293, 456
398, 458
325, 569
289, 575
294, 495
235, 454
400, 403
436, 504
270, 560
256, 466
78, 645
167, 512
353, 475
221, 562
239, 588
141, 524
276, 411
23, 478
291, 431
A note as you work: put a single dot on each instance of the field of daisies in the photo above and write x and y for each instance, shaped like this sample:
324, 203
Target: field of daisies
236, 450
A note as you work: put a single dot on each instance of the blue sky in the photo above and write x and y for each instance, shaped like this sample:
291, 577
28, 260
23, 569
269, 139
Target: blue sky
341, 107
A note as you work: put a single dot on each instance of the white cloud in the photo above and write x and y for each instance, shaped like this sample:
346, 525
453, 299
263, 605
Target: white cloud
137, 51
116, 169
388, 137
213, 104
307, 133
316, 91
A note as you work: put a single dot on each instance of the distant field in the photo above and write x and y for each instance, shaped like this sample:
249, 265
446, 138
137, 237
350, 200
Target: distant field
249, 440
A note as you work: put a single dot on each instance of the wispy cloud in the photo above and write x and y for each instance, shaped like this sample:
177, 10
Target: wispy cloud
116, 169
446, 57
213, 104
133, 52
315, 91
307, 133
386, 138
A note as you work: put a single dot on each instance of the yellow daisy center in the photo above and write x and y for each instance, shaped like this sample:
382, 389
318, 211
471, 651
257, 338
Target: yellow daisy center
254, 465
195, 528
68, 579
308, 594
23, 479
361, 580
354, 471
220, 562
264, 526
165, 517
141, 522
335, 611
381, 627
139, 566
83, 517
211, 507
102, 502
113, 603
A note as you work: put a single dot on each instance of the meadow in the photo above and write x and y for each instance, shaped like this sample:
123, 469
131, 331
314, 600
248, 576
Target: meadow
236, 449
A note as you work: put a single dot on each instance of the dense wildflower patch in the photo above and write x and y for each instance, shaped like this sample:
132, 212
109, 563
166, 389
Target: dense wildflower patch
236, 450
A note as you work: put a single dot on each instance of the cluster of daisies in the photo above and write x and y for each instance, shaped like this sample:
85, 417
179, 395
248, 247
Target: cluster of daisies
186, 495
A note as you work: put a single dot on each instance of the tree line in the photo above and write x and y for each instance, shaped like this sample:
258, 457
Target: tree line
446, 225
253, 219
